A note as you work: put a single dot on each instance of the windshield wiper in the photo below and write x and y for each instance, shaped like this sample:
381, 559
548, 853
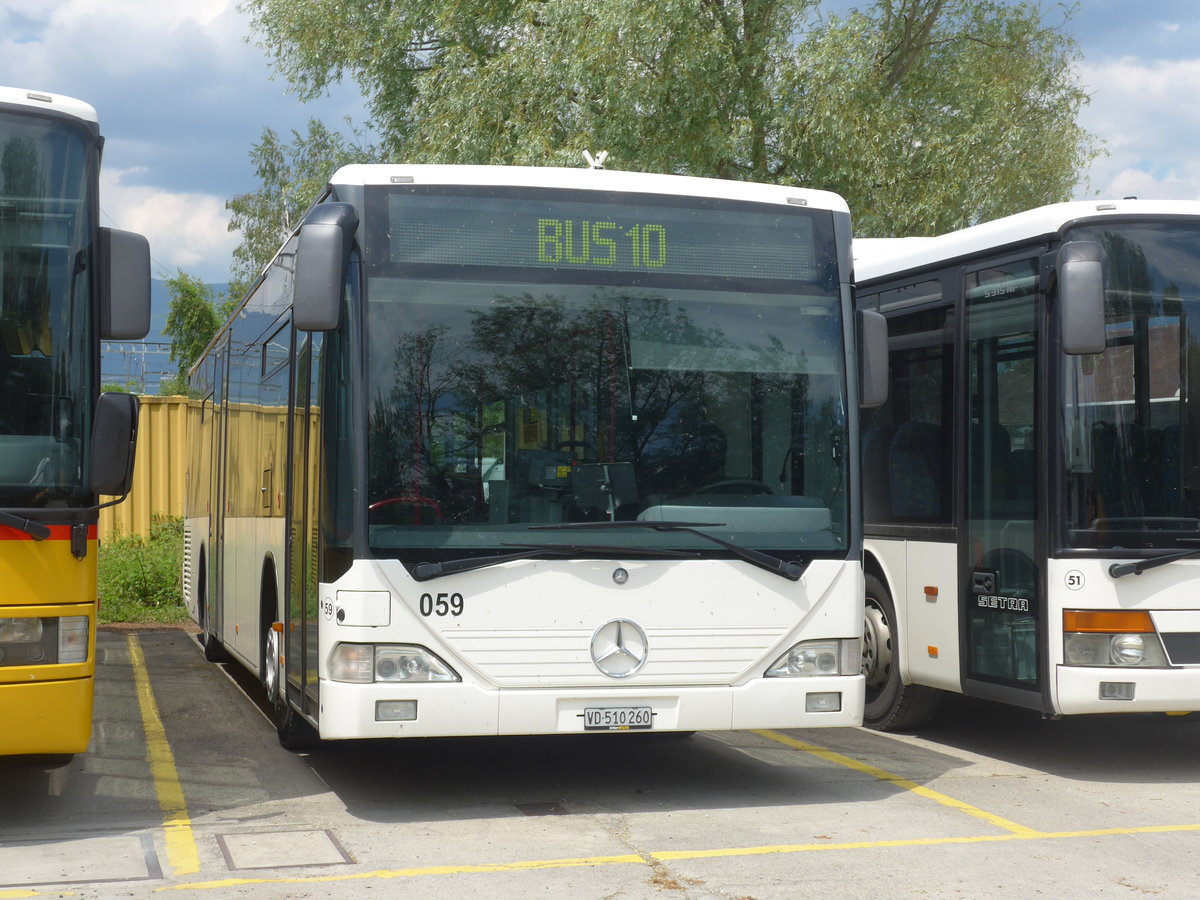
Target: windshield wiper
35, 530
1116, 570
427, 571
785, 569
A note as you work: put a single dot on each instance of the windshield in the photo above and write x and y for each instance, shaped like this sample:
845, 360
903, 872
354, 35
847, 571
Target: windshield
1131, 429
629, 382
46, 169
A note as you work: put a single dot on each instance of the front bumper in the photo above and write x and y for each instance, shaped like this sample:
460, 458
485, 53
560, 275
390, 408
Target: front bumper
461, 709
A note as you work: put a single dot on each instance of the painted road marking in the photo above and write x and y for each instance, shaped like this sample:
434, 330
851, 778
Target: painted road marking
669, 856
183, 858
904, 783
1012, 832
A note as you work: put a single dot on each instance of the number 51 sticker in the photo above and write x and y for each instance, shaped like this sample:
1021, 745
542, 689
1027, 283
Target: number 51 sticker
1074, 580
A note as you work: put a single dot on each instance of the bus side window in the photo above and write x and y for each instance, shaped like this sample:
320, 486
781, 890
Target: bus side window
906, 442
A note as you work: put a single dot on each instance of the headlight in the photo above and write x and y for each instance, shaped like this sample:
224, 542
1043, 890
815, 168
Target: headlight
1111, 637
1127, 650
818, 658
410, 664
20, 631
369, 663
34, 641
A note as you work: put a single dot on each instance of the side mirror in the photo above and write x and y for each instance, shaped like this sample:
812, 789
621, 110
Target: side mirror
123, 264
114, 443
872, 359
1080, 267
322, 253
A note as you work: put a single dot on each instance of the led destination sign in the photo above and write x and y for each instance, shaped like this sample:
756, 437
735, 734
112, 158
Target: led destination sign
567, 242
532, 231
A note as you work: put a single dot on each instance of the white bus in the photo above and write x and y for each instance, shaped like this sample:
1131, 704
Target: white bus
1032, 485
497, 450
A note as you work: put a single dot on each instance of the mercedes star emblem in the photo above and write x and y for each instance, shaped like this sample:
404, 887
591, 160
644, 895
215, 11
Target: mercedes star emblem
619, 648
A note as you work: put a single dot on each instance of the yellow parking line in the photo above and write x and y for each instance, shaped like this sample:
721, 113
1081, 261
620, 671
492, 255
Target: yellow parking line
182, 854
529, 865
667, 855
1013, 832
883, 775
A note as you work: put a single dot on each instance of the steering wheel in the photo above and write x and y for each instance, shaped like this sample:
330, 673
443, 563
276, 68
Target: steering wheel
736, 486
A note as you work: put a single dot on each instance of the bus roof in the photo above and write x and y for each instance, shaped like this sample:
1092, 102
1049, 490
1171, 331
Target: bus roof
883, 257
41, 101
591, 179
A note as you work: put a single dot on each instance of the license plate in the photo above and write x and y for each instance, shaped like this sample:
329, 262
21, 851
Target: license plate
617, 718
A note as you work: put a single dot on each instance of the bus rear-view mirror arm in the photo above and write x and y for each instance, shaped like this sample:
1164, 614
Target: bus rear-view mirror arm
1080, 270
872, 358
322, 253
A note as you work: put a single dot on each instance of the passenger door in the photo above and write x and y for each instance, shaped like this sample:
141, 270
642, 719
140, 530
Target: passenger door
300, 627
1002, 608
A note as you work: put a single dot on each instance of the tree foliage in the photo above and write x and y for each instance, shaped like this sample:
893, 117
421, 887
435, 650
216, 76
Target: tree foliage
926, 115
192, 320
291, 177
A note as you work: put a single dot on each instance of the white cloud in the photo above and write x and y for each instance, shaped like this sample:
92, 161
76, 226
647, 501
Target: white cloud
112, 39
181, 97
186, 231
1148, 114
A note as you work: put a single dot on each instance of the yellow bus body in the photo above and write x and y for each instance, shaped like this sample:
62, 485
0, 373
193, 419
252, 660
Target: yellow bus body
47, 708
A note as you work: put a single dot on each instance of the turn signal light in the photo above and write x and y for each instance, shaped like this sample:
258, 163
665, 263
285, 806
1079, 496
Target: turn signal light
1107, 621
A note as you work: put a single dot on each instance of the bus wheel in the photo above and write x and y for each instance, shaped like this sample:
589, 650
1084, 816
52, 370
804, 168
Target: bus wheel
214, 650
891, 704
294, 732
272, 647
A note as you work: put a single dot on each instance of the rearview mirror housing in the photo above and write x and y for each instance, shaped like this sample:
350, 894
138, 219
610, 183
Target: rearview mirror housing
114, 444
322, 254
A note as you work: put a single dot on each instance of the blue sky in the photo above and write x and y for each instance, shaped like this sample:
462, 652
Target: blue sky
182, 96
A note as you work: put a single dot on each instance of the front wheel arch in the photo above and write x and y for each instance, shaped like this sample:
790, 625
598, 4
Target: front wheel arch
891, 705
295, 733
214, 649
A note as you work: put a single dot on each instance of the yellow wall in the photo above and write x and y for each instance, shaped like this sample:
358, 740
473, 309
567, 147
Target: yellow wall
159, 473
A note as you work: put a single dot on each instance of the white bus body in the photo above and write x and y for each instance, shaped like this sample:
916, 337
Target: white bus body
501, 450
1031, 488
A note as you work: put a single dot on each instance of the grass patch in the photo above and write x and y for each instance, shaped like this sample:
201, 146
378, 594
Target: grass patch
139, 577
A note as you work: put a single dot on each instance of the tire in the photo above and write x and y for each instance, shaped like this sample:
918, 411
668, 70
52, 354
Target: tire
295, 734
214, 650
891, 704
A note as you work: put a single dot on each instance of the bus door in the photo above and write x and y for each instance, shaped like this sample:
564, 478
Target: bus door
1001, 607
214, 596
300, 620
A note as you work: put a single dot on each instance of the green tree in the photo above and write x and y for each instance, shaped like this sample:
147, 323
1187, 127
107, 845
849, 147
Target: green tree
192, 321
925, 114
291, 176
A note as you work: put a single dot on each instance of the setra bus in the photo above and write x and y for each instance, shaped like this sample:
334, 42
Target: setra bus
65, 283
502, 450
1032, 508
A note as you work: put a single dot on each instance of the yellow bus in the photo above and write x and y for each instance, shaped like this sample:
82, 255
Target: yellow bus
65, 284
